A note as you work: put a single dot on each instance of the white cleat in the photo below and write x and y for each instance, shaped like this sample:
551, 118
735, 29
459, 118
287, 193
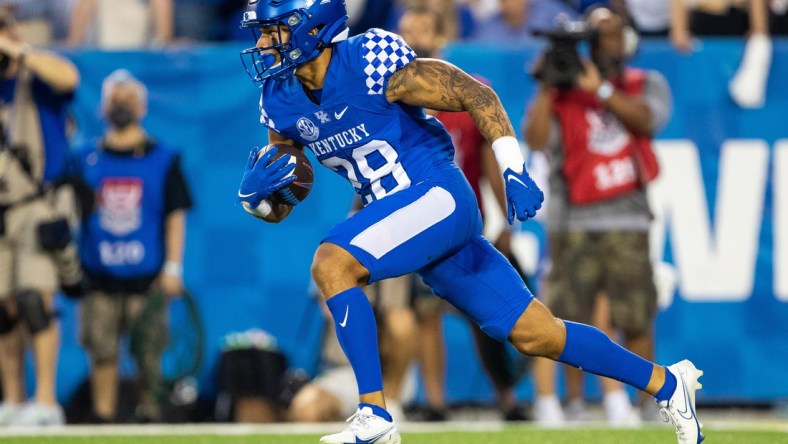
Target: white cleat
548, 412
680, 408
365, 427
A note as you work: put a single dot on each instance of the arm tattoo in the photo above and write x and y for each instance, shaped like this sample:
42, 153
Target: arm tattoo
438, 85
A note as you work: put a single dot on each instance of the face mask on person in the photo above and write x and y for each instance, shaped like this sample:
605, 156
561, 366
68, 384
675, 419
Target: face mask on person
121, 116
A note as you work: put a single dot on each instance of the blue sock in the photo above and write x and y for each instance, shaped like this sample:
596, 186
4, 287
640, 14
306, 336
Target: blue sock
668, 388
358, 336
591, 350
377, 410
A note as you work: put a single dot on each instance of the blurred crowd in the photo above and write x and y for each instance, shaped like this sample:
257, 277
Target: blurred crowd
113, 24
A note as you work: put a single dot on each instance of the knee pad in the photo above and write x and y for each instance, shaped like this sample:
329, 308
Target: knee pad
7, 323
32, 311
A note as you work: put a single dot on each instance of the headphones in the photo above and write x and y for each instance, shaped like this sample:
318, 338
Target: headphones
629, 34
631, 42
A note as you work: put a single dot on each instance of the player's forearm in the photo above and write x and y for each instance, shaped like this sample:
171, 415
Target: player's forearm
488, 113
479, 100
435, 84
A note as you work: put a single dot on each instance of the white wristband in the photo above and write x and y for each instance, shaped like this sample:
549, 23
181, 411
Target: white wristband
173, 269
262, 210
508, 154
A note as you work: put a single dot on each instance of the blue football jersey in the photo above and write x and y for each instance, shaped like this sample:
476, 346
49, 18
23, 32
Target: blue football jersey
378, 146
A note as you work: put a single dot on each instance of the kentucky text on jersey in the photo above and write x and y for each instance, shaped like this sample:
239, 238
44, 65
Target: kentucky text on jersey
380, 147
339, 140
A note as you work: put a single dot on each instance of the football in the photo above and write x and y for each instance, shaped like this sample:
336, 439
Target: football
295, 192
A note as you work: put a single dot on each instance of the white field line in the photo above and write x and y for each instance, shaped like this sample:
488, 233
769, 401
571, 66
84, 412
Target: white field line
235, 429
316, 429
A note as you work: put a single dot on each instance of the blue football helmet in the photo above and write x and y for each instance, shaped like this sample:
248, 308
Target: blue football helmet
329, 17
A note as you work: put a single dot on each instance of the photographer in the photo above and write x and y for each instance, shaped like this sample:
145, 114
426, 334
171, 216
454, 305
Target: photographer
132, 245
36, 254
596, 127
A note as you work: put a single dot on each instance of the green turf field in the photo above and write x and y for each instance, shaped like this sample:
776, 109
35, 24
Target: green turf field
585, 436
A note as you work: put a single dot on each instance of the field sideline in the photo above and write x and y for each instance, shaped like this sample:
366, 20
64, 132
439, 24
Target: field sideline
481, 432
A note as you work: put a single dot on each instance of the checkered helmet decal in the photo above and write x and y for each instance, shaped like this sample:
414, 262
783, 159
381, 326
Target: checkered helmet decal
384, 53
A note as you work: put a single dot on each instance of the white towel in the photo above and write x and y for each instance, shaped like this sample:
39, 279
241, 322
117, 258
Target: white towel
748, 86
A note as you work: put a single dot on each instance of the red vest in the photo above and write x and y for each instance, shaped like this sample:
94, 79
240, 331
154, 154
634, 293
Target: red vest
468, 143
602, 159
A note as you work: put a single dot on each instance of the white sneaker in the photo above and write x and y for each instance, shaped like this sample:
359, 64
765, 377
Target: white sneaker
680, 408
548, 412
8, 412
365, 427
577, 411
619, 410
34, 414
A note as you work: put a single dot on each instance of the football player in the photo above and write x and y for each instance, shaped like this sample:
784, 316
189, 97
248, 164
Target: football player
358, 104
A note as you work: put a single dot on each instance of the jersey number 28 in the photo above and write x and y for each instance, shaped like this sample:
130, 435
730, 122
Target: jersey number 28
375, 176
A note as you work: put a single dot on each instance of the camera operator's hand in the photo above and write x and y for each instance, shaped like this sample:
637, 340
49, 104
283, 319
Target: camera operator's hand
589, 80
537, 72
54, 70
536, 68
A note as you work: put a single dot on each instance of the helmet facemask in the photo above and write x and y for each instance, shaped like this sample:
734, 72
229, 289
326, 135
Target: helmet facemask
311, 27
277, 59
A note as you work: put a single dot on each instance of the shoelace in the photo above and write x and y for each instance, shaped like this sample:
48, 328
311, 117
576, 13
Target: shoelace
667, 416
358, 421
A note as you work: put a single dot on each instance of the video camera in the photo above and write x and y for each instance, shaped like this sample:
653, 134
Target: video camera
561, 62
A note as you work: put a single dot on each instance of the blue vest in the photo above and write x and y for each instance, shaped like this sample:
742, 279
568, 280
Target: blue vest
124, 236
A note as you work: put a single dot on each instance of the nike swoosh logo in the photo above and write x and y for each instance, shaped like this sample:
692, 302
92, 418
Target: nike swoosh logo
686, 414
514, 178
344, 322
373, 438
338, 115
244, 196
